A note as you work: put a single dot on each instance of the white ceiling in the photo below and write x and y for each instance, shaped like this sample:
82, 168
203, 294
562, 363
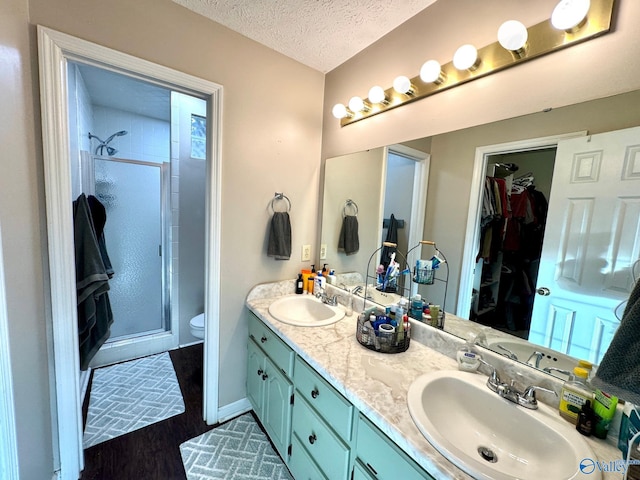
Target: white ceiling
319, 33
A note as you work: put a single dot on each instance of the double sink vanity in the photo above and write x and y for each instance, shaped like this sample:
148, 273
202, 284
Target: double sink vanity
337, 410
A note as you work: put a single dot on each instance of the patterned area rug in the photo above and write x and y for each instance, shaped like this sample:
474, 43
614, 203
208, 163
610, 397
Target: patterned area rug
237, 449
131, 395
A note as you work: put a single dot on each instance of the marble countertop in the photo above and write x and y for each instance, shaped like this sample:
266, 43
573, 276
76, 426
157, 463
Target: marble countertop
377, 383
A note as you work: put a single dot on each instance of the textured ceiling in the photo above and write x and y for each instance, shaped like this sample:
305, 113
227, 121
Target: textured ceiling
319, 33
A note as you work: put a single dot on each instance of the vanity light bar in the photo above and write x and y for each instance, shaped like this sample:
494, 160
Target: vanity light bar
543, 38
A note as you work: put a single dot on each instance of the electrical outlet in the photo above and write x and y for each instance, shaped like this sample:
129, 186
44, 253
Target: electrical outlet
323, 251
306, 253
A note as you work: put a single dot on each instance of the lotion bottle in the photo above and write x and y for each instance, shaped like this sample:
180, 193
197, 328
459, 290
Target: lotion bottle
574, 395
468, 356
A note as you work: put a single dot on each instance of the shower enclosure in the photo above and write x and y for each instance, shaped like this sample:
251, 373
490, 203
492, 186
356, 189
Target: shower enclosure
135, 196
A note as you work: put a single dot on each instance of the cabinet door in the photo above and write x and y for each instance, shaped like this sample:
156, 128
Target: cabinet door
382, 458
255, 383
360, 472
277, 407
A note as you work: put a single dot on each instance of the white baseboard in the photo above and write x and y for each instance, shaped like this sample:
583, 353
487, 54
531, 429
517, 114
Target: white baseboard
85, 375
191, 343
227, 412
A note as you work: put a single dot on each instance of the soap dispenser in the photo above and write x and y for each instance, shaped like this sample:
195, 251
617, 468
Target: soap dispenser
468, 356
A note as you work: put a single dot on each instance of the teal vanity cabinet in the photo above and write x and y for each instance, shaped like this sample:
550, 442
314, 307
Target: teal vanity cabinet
322, 428
377, 457
269, 388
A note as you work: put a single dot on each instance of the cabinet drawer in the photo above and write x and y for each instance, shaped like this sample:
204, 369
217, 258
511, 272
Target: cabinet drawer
275, 348
324, 446
301, 465
382, 457
324, 398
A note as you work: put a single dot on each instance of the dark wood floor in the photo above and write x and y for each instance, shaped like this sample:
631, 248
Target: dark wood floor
153, 452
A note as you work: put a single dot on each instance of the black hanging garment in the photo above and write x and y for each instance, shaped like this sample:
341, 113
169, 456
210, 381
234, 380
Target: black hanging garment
92, 283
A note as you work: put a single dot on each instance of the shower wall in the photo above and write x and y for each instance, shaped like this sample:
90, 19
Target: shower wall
80, 123
188, 182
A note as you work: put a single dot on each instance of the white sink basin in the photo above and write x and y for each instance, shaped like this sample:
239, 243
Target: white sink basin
305, 311
491, 438
523, 350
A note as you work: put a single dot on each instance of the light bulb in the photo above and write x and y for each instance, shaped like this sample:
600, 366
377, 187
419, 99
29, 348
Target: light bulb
356, 104
402, 85
466, 57
513, 35
377, 95
339, 111
570, 14
431, 72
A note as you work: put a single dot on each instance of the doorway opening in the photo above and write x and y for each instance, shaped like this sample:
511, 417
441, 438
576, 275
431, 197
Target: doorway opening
56, 52
514, 210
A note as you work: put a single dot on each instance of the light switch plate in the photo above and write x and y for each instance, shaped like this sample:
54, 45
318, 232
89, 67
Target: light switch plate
323, 251
306, 253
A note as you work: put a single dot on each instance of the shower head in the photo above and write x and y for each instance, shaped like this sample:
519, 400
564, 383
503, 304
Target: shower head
105, 144
117, 134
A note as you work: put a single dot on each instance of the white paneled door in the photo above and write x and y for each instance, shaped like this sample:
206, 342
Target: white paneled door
591, 243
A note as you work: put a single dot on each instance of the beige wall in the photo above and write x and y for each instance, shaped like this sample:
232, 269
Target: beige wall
271, 142
21, 213
358, 177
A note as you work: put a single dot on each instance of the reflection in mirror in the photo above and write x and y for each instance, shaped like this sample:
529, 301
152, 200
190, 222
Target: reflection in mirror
518, 328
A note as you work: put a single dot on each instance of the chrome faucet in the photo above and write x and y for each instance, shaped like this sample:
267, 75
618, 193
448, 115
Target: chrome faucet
510, 354
538, 356
328, 299
555, 369
526, 398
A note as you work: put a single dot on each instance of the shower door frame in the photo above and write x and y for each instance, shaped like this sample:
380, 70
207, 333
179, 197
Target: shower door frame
55, 50
127, 347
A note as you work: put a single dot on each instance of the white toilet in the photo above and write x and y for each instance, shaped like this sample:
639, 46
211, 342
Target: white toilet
197, 326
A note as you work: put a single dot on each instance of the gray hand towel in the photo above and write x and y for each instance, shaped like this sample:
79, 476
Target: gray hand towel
619, 372
349, 242
280, 236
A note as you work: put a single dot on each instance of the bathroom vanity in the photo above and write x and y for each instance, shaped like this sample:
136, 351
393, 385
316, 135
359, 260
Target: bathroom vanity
334, 409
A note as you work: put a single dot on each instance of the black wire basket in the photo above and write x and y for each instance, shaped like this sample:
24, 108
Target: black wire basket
380, 341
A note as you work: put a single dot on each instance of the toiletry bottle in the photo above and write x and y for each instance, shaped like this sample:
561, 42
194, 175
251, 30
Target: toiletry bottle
332, 279
325, 271
468, 356
312, 279
586, 419
604, 406
416, 306
299, 284
588, 366
574, 394
320, 283
305, 280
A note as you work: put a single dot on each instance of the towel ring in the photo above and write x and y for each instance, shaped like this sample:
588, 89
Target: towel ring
347, 204
280, 197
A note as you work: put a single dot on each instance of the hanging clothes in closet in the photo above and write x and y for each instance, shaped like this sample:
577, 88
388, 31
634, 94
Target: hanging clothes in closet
522, 249
496, 210
93, 270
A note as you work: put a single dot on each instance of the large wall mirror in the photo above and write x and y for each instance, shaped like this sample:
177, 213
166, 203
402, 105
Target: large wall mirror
570, 246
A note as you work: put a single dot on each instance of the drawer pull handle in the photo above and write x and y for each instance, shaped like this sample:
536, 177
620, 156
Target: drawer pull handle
264, 376
263, 339
312, 438
372, 469
315, 393
260, 372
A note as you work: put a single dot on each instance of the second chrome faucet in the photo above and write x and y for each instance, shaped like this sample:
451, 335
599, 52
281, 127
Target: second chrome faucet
525, 398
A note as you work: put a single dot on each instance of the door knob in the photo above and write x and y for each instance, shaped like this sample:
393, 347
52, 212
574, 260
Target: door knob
544, 291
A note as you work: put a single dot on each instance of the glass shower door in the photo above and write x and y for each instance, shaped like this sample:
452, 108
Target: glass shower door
132, 193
